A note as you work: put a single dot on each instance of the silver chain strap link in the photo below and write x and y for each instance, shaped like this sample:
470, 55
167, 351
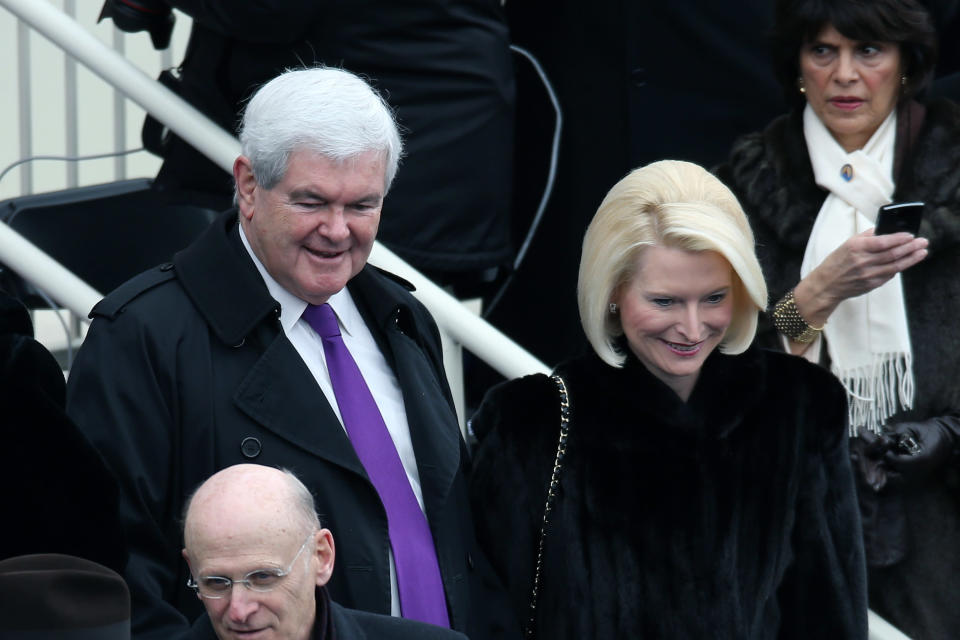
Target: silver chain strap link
528, 632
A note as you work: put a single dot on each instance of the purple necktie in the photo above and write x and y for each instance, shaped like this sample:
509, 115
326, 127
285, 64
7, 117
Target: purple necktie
418, 573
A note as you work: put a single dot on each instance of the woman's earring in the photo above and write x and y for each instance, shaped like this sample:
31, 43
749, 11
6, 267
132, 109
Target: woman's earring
903, 80
800, 85
613, 308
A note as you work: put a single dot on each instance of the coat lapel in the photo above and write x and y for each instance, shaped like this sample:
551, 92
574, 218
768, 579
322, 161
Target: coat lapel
434, 430
279, 391
223, 283
433, 426
280, 394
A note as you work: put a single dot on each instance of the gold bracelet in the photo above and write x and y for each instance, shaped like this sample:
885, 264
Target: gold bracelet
789, 322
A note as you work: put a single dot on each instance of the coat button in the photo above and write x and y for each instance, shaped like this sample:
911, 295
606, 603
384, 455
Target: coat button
250, 447
639, 77
470, 560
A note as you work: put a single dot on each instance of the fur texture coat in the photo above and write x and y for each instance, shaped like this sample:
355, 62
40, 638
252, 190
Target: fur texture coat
913, 531
732, 515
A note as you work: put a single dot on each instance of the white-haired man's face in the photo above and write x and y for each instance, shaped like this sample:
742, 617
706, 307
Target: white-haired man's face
313, 231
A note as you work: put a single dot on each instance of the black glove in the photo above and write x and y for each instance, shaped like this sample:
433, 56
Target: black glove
152, 16
866, 454
920, 448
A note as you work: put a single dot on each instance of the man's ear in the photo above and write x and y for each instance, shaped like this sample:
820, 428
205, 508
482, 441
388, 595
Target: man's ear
246, 185
325, 555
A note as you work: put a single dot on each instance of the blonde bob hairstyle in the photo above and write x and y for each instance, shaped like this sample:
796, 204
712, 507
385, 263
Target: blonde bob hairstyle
670, 204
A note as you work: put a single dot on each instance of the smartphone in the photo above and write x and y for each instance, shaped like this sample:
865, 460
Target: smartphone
899, 216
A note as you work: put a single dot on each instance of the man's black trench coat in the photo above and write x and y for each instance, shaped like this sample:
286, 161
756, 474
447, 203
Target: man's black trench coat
186, 370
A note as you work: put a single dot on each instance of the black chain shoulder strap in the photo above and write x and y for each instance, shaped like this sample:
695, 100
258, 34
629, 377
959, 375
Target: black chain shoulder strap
551, 498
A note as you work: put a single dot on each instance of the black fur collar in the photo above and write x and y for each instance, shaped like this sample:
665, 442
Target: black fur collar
631, 409
930, 173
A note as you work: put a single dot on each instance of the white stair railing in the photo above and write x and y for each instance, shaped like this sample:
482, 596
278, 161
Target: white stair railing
45, 273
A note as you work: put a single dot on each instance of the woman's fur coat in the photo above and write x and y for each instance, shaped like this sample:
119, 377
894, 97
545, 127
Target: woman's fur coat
732, 515
913, 530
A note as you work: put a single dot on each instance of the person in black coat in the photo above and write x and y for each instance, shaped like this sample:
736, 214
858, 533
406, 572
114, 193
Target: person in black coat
260, 523
54, 477
703, 486
208, 361
908, 494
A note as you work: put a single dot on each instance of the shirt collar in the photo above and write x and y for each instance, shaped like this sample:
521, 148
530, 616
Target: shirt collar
292, 307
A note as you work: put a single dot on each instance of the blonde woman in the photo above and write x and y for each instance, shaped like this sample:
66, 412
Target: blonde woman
703, 489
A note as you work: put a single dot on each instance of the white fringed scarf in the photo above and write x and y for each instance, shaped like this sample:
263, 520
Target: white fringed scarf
867, 336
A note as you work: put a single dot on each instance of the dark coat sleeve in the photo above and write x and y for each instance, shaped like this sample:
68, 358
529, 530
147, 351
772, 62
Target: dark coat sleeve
57, 485
122, 394
824, 594
517, 426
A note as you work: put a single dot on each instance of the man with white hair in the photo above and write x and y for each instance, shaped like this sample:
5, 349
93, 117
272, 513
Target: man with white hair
260, 562
271, 340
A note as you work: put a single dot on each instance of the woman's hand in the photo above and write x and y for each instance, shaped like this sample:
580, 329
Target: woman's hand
859, 265
867, 452
921, 448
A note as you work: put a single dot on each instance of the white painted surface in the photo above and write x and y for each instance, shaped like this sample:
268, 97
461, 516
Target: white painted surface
95, 104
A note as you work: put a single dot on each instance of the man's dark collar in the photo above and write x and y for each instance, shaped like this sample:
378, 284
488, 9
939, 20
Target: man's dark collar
222, 281
323, 628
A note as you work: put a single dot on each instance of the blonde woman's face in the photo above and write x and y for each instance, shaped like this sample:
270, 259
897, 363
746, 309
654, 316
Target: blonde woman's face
675, 311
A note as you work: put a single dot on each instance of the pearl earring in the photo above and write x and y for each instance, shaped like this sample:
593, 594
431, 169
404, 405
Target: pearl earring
800, 85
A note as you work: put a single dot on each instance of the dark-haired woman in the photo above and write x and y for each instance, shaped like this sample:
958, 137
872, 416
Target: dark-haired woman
882, 311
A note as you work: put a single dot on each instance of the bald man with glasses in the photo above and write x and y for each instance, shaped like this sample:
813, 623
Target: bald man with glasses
259, 562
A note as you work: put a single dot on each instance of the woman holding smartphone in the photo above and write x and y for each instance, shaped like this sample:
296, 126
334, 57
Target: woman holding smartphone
882, 311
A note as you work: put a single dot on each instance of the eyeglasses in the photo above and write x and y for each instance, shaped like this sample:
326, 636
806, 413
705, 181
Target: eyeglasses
261, 580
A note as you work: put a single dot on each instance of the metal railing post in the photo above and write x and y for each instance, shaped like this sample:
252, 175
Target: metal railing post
25, 106
43, 272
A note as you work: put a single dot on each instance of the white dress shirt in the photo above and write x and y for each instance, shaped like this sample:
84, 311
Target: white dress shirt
373, 366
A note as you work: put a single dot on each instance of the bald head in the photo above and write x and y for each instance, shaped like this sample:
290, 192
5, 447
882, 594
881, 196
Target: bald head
250, 496
250, 519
